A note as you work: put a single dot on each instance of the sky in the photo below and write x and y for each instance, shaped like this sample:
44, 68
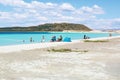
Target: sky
96, 14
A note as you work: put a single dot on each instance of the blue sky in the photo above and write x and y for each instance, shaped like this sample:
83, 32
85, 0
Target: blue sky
96, 14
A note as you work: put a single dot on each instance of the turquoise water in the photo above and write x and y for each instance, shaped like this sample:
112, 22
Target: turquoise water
13, 38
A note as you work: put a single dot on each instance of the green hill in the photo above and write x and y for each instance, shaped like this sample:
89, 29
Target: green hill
49, 27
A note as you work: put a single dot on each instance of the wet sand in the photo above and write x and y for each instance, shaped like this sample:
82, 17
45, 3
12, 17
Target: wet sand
100, 62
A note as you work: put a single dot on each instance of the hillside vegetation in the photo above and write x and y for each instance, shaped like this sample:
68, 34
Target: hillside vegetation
49, 27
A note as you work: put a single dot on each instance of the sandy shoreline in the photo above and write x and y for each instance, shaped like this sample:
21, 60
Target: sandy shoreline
100, 62
17, 48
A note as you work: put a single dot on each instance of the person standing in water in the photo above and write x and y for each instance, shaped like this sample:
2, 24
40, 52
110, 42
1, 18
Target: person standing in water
85, 37
43, 39
31, 40
23, 40
110, 34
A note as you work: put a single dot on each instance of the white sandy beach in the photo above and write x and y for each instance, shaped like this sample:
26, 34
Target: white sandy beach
59, 40
17, 48
35, 62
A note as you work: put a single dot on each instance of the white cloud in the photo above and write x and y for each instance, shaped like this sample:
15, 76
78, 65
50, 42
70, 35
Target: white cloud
4, 15
104, 23
7, 2
35, 13
93, 10
67, 6
98, 10
41, 5
17, 3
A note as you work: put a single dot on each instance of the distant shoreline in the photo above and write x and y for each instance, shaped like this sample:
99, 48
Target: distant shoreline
69, 31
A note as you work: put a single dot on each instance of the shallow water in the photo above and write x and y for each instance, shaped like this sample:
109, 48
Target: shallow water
13, 38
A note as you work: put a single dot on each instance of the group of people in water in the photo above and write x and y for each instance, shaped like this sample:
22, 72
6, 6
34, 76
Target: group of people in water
59, 39
86, 37
53, 39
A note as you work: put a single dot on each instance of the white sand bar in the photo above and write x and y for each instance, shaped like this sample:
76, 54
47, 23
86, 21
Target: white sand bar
16, 48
